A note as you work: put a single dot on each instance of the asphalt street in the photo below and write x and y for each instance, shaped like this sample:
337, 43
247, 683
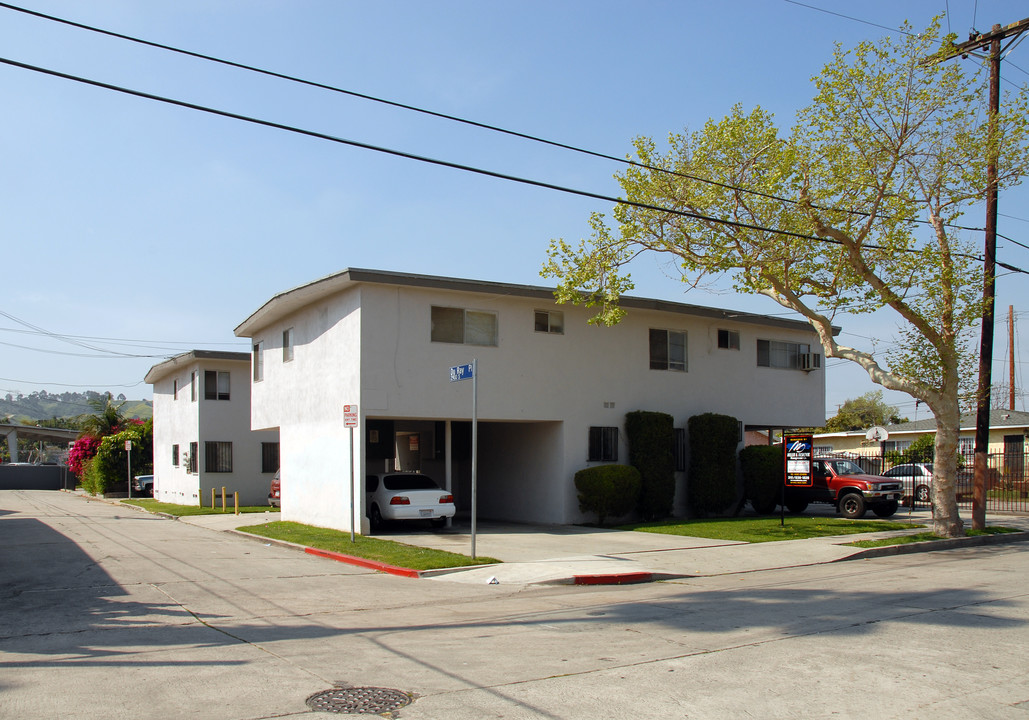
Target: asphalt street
109, 612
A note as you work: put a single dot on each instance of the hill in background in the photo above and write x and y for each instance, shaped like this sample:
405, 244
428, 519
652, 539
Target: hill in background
42, 405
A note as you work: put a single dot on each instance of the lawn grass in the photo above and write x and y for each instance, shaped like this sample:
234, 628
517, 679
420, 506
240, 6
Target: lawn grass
927, 537
767, 529
181, 510
369, 548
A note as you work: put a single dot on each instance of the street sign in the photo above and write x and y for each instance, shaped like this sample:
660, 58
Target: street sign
350, 416
461, 372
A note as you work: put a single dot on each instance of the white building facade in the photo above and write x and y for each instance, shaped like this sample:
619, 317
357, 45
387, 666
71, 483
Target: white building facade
552, 390
202, 436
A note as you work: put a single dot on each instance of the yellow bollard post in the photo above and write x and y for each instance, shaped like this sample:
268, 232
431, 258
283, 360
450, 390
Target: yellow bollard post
212, 499
223, 498
235, 496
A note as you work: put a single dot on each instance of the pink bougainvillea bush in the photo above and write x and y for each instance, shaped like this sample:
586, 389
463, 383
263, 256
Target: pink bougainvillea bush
82, 451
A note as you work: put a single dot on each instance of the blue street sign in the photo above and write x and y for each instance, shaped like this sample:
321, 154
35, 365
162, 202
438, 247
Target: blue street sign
461, 372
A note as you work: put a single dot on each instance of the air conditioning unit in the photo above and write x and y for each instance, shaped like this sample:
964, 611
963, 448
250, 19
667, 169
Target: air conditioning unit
810, 361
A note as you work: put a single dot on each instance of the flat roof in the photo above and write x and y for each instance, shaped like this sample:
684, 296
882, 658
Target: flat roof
173, 364
289, 301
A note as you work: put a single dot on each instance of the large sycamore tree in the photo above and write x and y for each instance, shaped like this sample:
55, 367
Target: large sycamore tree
854, 210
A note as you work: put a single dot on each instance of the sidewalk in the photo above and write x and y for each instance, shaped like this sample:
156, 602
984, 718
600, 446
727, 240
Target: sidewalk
560, 554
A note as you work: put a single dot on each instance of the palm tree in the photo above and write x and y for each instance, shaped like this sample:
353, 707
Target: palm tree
106, 418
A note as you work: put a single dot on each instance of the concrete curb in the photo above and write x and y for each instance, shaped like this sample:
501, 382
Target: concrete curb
362, 562
935, 545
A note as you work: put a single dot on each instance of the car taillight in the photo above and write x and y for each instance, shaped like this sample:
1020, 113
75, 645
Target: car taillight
446, 499
399, 500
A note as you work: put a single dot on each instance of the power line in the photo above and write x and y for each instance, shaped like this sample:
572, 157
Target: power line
78, 385
447, 163
149, 344
453, 118
383, 101
846, 17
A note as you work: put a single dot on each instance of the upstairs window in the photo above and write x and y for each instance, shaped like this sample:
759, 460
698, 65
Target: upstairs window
193, 387
216, 385
258, 362
550, 321
465, 327
668, 350
728, 339
776, 354
287, 345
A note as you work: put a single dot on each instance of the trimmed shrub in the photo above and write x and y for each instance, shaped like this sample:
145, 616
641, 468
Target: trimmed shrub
651, 437
608, 490
762, 467
713, 442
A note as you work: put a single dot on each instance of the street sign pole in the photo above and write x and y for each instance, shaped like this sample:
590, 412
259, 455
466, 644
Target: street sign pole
458, 373
475, 448
128, 449
350, 420
353, 513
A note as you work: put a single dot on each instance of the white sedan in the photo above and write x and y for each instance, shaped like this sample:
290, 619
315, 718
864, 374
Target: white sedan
918, 476
406, 496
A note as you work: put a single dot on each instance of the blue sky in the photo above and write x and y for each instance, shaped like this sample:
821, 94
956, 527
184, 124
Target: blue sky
137, 228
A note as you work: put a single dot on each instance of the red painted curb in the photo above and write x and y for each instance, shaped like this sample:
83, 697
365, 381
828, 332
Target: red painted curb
371, 564
614, 579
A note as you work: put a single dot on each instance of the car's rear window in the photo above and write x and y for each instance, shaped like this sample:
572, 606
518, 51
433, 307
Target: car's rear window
409, 482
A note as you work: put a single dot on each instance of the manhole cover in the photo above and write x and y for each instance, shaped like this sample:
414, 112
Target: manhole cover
367, 700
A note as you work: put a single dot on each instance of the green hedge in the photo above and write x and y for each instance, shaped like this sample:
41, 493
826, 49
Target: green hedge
608, 490
110, 464
651, 438
713, 442
762, 467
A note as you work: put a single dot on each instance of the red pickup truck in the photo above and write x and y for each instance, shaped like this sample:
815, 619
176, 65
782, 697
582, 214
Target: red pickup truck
844, 484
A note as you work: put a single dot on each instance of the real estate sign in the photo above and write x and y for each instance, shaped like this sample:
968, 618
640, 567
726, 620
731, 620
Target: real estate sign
799, 457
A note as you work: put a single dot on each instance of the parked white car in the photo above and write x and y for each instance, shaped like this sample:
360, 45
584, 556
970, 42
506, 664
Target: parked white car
406, 496
914, 475
920, 477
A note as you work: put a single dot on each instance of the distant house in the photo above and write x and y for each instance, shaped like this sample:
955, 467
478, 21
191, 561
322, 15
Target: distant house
1008, 432
202, 436
552, 390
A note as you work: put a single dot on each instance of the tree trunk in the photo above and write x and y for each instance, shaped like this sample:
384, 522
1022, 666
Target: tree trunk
946, 521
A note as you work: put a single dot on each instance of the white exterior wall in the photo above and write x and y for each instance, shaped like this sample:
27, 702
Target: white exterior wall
183, 421
586, 377
176, 421
304, 399
538, 393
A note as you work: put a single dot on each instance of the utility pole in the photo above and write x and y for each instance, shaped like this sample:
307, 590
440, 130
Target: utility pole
980, 41
1011, 357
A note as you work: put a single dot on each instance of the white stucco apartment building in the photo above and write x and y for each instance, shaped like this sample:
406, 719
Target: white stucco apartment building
202, 436
553, 391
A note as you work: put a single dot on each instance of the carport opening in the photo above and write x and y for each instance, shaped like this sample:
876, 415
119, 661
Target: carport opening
519, 464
